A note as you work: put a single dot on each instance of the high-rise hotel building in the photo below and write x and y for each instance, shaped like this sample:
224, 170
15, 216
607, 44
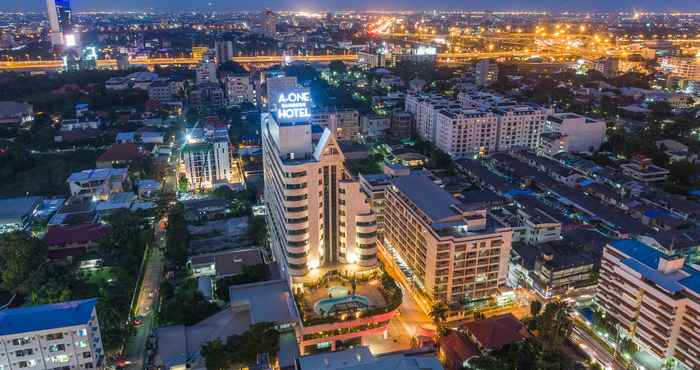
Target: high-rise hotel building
454, 251
654, 298
318, 215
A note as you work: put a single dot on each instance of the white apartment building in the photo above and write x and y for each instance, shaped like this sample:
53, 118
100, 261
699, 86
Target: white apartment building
684, 67
476, 123
207, 163
655, 299
344, 122
206, 71
520, 126
375, 126
98, 183
425, 108
239, 89
584, 134
462, 132
317, 214
56, 336
454, 251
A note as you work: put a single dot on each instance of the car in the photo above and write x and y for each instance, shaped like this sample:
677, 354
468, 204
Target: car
137, 320
151, 294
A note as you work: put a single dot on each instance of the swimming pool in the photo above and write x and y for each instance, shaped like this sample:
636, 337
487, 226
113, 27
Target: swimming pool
338, 291
331, 306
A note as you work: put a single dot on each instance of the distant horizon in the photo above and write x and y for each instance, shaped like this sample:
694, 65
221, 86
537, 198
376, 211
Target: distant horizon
175, 6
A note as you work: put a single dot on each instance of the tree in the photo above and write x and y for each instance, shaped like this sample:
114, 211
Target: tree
555, 324
21, 258
216, 355
438, 313
535, 308
337, 66
177, 238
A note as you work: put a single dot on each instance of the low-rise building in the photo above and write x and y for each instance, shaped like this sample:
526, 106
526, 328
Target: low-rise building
14, 112
16, 213
61, 335
642, 170
362, 358
375, 126
583, 133
119, 155
97, 183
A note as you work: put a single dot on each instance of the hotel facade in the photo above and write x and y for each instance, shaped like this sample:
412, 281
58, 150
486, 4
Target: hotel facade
654, 298
455, 253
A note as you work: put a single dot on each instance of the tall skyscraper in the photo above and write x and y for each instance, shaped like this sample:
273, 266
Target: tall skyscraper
60, 22
318, 215
270, 24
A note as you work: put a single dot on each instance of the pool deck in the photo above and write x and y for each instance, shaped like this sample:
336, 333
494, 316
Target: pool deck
369, 290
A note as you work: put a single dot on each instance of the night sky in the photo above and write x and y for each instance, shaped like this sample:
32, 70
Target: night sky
221, 5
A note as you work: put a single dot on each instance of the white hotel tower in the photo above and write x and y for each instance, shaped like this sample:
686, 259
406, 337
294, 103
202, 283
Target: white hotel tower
317, 214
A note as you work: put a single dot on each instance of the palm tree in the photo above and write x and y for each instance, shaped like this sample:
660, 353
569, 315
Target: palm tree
556, 324
438, 313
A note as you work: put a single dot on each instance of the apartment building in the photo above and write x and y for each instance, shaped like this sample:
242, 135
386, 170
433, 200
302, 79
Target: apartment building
520, 126
207, 161
425, 108
98, 183
485, 72
345, 123
401, 125
375, 126
583, 133
462, 132
683, 67
55, 336
317, 214
206, 71
454, 252
477, 122
238, 89
655, 299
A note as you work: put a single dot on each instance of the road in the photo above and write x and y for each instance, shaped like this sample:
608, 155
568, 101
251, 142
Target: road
595, 350
135, 352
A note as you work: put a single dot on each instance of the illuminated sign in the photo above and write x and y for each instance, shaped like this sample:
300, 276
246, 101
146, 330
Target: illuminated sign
70, 40
293, 105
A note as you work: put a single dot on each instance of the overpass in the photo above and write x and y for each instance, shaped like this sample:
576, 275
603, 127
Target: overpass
46, 65
43, 65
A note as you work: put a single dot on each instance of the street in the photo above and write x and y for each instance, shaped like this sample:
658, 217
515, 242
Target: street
595, 350
135, 352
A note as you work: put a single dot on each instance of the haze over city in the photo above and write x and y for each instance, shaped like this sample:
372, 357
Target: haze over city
315, 185
501, 5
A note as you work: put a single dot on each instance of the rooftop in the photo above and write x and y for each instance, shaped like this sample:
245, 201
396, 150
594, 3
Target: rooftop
97, 174
268, 301
14, 209
120, 152
430, 198
361, 358
645, 260
497, 331
44, 317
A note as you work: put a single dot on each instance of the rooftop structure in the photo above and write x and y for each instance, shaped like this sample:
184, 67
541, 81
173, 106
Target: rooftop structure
655, 298
361, 358
16, 213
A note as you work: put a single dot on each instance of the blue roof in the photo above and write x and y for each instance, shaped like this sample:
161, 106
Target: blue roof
654, 213
58, 315
645, 260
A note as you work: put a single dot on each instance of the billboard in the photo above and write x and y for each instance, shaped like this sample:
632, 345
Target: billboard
293, 105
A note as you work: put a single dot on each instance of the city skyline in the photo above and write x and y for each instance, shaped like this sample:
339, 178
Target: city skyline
364, 5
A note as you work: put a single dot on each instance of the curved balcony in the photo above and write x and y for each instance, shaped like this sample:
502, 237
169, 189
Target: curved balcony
298, 238
297, 225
